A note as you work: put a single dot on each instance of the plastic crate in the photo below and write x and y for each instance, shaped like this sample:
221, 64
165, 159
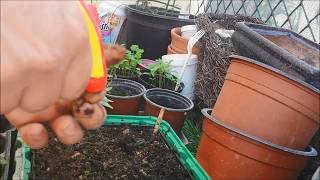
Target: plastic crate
184, 155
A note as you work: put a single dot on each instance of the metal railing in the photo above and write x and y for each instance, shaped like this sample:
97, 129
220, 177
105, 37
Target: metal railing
301, 16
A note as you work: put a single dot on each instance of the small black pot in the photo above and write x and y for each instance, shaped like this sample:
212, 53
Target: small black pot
144, 79
127, 97
175, 106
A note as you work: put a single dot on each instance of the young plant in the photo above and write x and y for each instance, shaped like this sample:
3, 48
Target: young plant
129, 65
160, 72
105, 101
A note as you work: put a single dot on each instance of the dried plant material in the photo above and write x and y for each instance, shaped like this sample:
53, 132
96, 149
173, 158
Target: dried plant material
213, 57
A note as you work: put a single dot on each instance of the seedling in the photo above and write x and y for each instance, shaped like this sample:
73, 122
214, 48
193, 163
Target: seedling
160, 72
129, 65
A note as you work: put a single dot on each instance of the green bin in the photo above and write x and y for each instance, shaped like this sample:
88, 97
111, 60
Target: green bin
185, 157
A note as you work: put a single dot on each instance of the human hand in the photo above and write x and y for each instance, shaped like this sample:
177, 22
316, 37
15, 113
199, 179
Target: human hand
114, 53
45, 68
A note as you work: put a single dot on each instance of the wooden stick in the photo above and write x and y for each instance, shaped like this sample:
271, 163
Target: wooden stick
157, 125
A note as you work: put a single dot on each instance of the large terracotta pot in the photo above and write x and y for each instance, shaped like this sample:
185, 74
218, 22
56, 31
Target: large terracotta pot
179, 44
228, 153
267, 103
126, 96
175, 106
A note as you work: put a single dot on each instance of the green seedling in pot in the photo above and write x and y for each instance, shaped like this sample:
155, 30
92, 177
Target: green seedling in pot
129, 65
160, 72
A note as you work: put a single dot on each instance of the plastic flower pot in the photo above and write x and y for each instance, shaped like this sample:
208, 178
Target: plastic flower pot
280, 48
171, 138
268, 103
226, 152
177, 62
175, 106
145, 79
126, 96
171, 51
145, 63
151, 30
179, 44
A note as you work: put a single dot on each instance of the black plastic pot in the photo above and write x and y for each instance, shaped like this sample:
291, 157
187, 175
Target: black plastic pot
126, 97
281, 49
151, 31
144, 79
174, 103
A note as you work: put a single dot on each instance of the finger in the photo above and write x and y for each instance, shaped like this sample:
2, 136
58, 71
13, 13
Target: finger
67, 129
18, 117
34, 135
94, 97
90, 116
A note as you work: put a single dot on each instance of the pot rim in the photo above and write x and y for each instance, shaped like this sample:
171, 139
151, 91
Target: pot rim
133, 8
311, 153
166, 108
265, 66
133, 84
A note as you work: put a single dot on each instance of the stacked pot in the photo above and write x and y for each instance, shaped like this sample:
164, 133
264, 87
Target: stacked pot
179, 43
261, 124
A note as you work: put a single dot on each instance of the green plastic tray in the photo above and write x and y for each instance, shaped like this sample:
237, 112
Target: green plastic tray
185, 157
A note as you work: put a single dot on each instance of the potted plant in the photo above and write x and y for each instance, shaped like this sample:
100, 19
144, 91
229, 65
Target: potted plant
125, 148
159, 75
123, 96
128, 67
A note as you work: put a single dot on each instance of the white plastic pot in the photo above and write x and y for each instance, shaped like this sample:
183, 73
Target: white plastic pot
112, 15
189, 74
188, 31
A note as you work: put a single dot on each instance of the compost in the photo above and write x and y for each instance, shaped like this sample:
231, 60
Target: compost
123, 91
123, 152
213, 57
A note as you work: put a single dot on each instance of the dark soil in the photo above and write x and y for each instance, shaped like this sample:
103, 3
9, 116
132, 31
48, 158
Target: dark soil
123, 91
109, 153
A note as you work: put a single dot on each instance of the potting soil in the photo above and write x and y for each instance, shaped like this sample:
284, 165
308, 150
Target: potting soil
123, 91
124, 152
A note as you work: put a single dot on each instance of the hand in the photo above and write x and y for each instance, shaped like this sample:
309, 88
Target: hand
114, 53
45, 68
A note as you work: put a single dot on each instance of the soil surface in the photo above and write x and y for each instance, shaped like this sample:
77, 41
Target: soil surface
123, 91
124, 152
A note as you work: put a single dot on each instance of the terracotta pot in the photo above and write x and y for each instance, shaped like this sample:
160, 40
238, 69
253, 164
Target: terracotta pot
178, 51
128, 97
179, 44
175, 106
267, 103
228, 153
170, 51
